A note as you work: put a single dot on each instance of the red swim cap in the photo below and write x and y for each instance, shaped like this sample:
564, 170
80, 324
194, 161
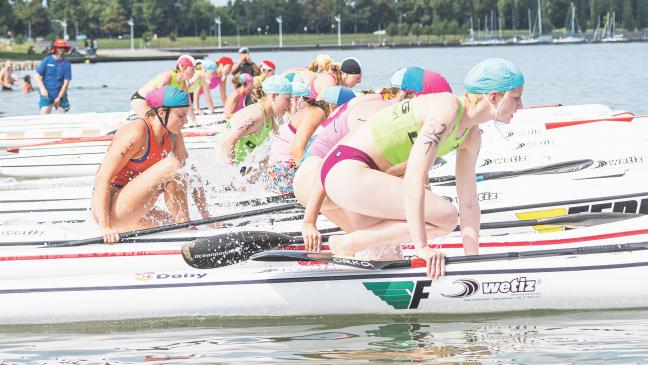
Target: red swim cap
225, 61
186, 61
267, 64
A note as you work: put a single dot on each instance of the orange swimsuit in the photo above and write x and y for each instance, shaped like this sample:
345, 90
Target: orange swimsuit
154, 153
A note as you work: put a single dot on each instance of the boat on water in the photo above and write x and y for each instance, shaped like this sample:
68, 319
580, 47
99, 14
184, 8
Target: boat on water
572, 37
152, 280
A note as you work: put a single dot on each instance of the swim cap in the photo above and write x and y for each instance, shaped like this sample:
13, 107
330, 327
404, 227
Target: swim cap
351, 66
167, 97
396, 80
290, 76
276, 84
225, 61
186, 61
493, 75
245, 79
337, 95
267, 64
300, 89
208, 65
244, 50
422, 81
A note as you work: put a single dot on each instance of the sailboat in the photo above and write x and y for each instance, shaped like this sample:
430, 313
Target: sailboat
571, 36
609, 33
540, 38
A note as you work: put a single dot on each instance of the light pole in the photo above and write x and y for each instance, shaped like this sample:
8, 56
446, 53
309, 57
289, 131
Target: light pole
29, 33
218, 23
64, 25
280, 21
338, 20
131, 23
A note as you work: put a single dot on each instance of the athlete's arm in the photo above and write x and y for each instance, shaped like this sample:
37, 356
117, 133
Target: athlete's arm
245, 122
305, 130
230, 104
312, 237
223, 90
469, 213
424, 151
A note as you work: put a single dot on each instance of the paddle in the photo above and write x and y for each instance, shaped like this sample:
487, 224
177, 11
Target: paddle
231, 248
417, 262
556, 168
170, 227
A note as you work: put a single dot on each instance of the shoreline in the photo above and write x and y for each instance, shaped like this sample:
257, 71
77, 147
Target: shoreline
167, 54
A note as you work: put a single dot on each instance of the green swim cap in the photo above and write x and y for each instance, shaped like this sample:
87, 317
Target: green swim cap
493, 75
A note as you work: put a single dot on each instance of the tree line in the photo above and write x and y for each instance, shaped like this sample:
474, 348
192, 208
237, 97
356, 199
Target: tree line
108, 18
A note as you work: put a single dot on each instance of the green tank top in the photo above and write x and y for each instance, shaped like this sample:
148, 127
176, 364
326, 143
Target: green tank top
181, 84
247, 144
395, 129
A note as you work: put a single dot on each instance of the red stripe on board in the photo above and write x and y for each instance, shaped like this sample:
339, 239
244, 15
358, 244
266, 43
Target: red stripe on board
95, 139
447, 245
91, 255
558, 241
554, 125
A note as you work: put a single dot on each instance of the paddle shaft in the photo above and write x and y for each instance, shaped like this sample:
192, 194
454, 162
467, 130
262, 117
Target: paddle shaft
557, 168
170, 227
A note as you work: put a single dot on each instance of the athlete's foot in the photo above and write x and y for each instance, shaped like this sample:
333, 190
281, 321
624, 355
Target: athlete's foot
339, 246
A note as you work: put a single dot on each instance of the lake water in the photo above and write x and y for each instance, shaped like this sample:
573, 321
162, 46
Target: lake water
614, 74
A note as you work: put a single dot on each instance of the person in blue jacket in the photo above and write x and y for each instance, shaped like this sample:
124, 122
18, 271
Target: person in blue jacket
53, 77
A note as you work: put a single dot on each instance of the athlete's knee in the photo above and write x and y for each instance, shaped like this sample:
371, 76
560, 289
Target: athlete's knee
445, 217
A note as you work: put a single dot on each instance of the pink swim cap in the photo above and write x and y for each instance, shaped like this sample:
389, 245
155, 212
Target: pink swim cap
422, 81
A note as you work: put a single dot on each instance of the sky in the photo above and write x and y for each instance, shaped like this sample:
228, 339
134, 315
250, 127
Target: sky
219, 2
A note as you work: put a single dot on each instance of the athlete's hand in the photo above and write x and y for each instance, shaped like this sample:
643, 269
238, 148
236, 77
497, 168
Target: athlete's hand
57, 102
312, 237
434, 259
110, 235
44, 92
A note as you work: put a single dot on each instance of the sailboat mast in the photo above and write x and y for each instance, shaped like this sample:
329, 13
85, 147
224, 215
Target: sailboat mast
539, 19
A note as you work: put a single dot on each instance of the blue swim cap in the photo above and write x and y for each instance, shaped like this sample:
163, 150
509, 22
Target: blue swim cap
338, 95
396, 79
167, 97
300, 89
493, 75
276, 84
290, 76
208, 65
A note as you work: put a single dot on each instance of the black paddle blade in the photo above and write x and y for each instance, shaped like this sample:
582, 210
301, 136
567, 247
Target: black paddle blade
230, 248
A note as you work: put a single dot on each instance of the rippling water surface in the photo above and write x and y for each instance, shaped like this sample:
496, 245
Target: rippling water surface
615, 75
610, 337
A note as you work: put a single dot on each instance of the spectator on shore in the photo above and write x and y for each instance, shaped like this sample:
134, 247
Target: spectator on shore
53, 77
7, 77
27, 86
245, 64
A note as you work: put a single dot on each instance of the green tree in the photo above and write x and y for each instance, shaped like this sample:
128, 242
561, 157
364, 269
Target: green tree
6, 16
113, 18
628, 15
392, 29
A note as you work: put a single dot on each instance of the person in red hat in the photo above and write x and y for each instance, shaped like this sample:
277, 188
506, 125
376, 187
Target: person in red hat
53, 76
267, 69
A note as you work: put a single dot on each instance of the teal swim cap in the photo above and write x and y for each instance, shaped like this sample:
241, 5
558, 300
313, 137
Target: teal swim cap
208, 65
300, 89
493, 75
276, 84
